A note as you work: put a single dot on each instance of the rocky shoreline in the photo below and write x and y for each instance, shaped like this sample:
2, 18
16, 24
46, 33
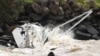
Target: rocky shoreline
52, 12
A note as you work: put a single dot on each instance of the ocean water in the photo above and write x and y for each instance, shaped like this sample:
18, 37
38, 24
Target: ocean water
63, 45
62, 42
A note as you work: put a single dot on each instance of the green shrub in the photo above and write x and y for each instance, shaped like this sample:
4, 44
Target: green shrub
97, 3
10, 9
85, 3
29, 1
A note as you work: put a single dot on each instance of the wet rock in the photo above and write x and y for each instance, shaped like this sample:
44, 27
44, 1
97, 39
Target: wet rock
91, 29
96, 37
82, 35
86, 31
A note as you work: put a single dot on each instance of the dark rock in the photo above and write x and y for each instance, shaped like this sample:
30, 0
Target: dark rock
45, 11
51, 54
96, 37
27, 8
36, 8
91, 29
65, 6
54, 9
68, 14
1, 31
51, 3
86, 31
34, 17
43, 3
52, 48
82, 35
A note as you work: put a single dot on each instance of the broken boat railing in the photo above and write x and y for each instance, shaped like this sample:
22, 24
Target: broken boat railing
85, 14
